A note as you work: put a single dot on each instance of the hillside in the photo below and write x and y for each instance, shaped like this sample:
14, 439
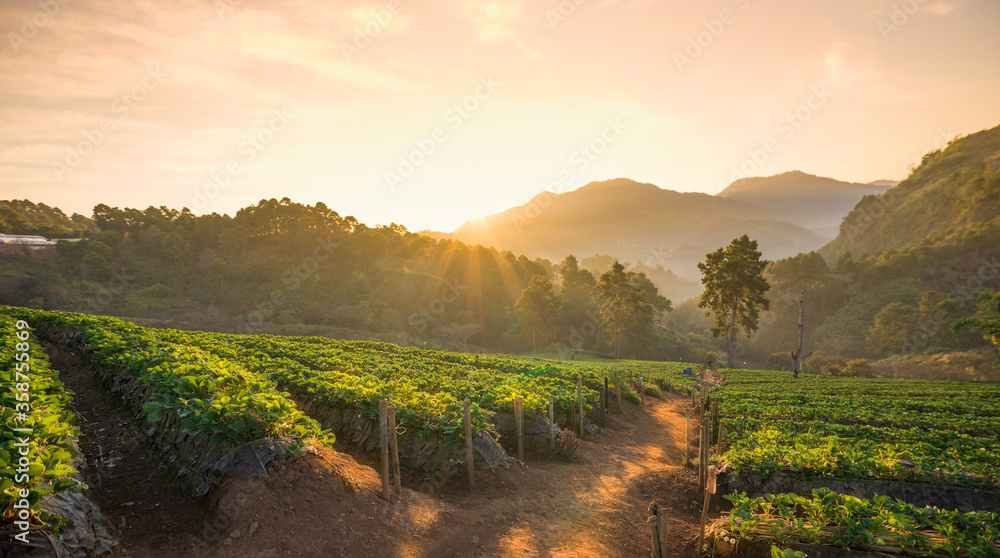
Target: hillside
813, 202
955, 192
635, 222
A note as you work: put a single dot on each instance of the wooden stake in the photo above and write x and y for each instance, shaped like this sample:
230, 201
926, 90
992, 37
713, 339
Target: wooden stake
701, 455
468, 444
661, 530
394, 450
604, 402
718, 441
618, 393
654, 544
579, 400
552, 424
715, 421
704, 509
687, 437
519, 426
383, 436
600, 403
642, 395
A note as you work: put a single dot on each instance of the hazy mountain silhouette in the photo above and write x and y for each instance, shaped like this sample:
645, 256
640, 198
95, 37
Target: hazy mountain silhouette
814, 202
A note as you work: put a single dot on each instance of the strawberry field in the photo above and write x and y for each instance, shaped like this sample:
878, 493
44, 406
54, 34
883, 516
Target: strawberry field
930, 437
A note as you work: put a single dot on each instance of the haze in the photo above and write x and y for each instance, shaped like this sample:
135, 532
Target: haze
215, 104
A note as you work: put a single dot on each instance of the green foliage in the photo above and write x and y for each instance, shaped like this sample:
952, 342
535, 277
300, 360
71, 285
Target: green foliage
53, 426
862, 428
25, 217
845, 521
208, 394
893, 323
538, 307
986, 321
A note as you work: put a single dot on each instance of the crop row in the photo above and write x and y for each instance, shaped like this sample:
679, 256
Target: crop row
39, 430
207, 393
881, 523
931, 405
427, 387
858, 428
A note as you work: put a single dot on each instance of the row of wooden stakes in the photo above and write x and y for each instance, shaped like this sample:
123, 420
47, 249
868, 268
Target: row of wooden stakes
390, 449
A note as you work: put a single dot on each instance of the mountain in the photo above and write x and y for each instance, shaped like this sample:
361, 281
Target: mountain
636, 222
954, 193
813, 202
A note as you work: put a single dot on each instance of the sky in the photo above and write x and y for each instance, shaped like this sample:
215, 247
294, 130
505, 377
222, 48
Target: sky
427, 113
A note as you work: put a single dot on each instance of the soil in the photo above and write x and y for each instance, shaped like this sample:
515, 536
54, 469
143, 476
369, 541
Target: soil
327, 504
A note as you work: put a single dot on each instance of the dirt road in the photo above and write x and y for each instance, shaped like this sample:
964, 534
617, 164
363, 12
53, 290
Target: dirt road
324, 505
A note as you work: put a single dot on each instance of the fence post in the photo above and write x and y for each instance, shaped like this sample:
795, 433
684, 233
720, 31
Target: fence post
579, 400
519, 426
552, 424
618, 393
642, 394
383, 437
600, 403
687, 437
470, 464
394, 450
709, 490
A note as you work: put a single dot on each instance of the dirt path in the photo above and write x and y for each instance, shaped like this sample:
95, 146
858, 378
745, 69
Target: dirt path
593, 505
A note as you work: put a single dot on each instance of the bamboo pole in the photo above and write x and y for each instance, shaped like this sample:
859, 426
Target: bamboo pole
383, 437
552, 424
394, 450
470, 464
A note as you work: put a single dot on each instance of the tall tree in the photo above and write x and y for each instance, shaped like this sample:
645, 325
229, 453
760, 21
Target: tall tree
578, 310
538, 307
734, 290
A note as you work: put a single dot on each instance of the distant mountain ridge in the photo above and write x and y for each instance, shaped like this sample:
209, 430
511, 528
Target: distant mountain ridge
643, 223
814, 202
